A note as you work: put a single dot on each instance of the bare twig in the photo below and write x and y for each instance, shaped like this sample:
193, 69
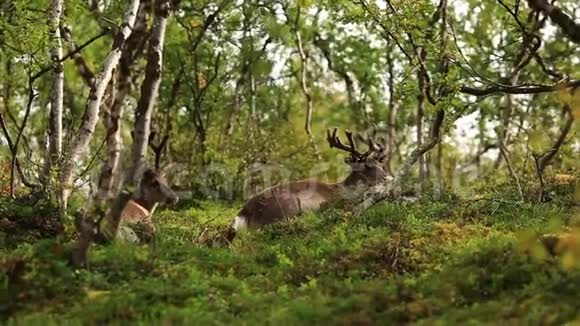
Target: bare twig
31, 96
82, 66
513, 174
545, 158
385, 28
71, 54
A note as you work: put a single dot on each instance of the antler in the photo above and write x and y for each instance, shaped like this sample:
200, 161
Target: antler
335, 142
157, 149
374, 144
373, 147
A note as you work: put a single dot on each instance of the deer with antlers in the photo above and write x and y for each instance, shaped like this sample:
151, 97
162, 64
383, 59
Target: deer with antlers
290, 200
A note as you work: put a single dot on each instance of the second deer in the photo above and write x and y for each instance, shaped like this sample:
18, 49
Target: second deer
289, 200
153, 190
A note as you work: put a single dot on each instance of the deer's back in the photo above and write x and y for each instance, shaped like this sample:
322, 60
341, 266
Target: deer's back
285, 201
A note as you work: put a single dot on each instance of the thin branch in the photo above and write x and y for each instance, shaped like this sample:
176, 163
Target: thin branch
386, 29
545, 158
541, 195
21, 174
31, 96
82, 66
209, 20
71, 54
520, 89
513, 174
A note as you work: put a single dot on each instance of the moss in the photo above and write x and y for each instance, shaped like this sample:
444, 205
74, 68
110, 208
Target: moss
426, 262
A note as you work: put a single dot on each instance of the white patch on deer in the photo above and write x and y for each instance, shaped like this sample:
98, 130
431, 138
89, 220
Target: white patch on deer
240, 223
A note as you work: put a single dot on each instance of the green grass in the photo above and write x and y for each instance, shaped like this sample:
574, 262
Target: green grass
448, 262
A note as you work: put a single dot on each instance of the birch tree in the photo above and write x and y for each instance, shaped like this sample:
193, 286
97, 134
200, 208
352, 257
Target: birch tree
112, 115
145, 106
57, 96
89, 120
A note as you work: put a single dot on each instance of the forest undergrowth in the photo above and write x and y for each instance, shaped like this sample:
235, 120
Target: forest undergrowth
445, 260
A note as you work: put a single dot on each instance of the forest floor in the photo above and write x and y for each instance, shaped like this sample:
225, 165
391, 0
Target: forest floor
449, 261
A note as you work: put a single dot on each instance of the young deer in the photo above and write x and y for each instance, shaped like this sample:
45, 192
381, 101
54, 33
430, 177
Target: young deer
153, 190
289, 200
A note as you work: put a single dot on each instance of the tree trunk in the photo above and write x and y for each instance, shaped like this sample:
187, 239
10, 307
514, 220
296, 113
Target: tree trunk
112, 117
57, 96
392, 116
91, 114
149, 90
421, 158
438, 170
111, 120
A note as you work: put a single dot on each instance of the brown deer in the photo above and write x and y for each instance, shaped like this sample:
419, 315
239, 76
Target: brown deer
137, 212
153, 190
289, 200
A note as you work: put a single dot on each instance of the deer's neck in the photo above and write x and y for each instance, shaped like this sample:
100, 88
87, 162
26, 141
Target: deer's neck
351, 181
148, 205
355, 179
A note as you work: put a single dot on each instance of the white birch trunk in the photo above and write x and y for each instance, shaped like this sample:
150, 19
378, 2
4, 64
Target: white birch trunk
109, 177
57, 96
149, 90
89, 120
112, 122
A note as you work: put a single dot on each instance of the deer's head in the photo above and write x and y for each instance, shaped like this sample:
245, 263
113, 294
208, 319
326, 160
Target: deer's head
367, 167
154, 189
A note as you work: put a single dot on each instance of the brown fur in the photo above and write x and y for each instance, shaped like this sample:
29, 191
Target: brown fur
153, 190
286, 201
